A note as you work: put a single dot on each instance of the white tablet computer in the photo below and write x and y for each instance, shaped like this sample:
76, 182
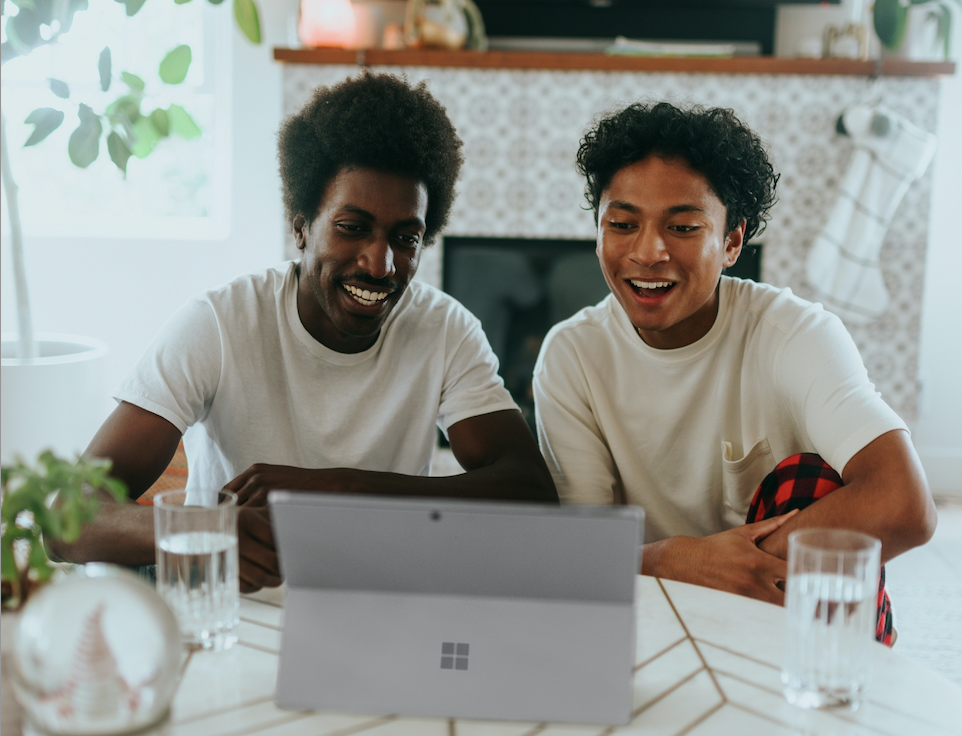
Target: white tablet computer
457, 609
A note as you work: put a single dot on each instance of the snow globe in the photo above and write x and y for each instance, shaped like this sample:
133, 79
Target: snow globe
98, 652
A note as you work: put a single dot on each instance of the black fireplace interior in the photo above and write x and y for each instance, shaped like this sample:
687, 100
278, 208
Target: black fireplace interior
520, 288
750, 21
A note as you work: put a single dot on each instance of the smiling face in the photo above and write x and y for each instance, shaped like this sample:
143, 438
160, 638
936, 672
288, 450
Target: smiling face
358, 255
662, 246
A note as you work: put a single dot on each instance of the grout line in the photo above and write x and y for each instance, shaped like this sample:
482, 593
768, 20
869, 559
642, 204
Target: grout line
260, 623
777, 722
364, 726
536, 730
847, 716
662, 653
662, 696
224, 710
739, 654
694, 642
697, 722
292, 718
773, 719
258, 647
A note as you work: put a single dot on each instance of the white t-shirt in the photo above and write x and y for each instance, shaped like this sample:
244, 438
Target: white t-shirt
237, 368
689, 433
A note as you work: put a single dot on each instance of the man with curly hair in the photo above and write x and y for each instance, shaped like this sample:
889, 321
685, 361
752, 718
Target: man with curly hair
684, 389
332, 373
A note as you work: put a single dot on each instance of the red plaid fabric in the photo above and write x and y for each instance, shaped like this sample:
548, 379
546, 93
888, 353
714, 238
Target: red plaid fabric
797, 482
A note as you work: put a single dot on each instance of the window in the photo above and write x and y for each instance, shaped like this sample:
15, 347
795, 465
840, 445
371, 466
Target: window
182, 188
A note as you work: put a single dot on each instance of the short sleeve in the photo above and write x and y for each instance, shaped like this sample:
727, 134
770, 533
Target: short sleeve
571, 441
177, 376
471, 384
821, 376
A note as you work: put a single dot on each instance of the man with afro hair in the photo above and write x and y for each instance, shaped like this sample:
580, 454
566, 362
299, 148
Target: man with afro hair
713, 401
331, 373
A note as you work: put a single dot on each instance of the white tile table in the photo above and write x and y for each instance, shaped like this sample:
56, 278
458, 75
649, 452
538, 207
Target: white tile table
707, 664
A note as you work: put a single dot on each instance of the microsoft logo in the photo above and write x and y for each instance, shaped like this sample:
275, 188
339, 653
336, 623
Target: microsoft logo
454, 656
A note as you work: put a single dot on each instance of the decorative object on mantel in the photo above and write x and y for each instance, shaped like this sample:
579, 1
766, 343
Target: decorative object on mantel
843, 265
97, 653
444, 24
846, 42
920, 30
327, 23
634, 47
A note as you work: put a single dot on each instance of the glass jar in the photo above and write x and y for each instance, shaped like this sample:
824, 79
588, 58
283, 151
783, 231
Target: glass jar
98, 652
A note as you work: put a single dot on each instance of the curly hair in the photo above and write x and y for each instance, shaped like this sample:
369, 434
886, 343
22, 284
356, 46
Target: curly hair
713, 142
372, 120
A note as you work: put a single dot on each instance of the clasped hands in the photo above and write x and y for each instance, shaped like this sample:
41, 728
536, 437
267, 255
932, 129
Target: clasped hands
731, 561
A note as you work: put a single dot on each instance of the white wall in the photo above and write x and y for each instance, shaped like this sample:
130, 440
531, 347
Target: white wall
938, 434
938, 430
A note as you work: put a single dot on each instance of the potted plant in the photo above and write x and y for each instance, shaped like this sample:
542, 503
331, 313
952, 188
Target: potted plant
902, 25
28, 515
52, 385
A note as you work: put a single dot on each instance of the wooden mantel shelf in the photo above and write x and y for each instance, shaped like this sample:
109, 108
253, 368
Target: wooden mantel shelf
602, 62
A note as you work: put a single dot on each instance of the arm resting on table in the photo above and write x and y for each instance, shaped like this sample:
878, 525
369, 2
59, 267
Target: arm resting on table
140, 445
885, 494
497, 450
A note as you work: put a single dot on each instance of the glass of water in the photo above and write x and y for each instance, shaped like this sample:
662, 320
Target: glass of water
197, 565
830, 599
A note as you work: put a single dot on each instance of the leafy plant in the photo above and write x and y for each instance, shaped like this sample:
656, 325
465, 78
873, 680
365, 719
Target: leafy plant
28, 515
890, 18
125, 126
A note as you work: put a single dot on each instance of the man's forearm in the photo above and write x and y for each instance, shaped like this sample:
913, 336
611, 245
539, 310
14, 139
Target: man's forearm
898, 522
885, 495
122, 534
502, 481
507, 482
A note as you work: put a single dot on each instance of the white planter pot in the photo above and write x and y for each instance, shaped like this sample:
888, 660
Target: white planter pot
55, 401
920, 43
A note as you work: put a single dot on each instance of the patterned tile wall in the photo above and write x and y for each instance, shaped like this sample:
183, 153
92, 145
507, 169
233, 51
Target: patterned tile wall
521, 130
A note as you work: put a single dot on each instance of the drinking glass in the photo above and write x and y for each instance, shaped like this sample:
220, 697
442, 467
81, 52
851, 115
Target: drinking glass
197, 565
831, 600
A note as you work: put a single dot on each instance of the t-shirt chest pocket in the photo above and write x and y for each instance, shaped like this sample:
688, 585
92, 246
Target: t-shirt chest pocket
741, 477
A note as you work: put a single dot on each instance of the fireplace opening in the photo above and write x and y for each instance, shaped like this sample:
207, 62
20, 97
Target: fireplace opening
519, 288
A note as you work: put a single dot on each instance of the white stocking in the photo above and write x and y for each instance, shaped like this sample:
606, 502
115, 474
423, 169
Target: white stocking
843, 264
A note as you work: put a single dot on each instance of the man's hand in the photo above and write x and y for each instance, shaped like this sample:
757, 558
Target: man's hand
729, 561
253, 485
497, 451
259, 567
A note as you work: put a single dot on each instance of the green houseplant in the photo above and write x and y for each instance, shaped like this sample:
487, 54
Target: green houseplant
122, 117
891, 21
126, 128
28, 515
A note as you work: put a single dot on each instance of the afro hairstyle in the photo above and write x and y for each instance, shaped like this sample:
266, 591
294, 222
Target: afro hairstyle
712, 141
372, 120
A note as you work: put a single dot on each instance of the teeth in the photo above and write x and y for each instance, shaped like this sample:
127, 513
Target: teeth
365, 297
650, 284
